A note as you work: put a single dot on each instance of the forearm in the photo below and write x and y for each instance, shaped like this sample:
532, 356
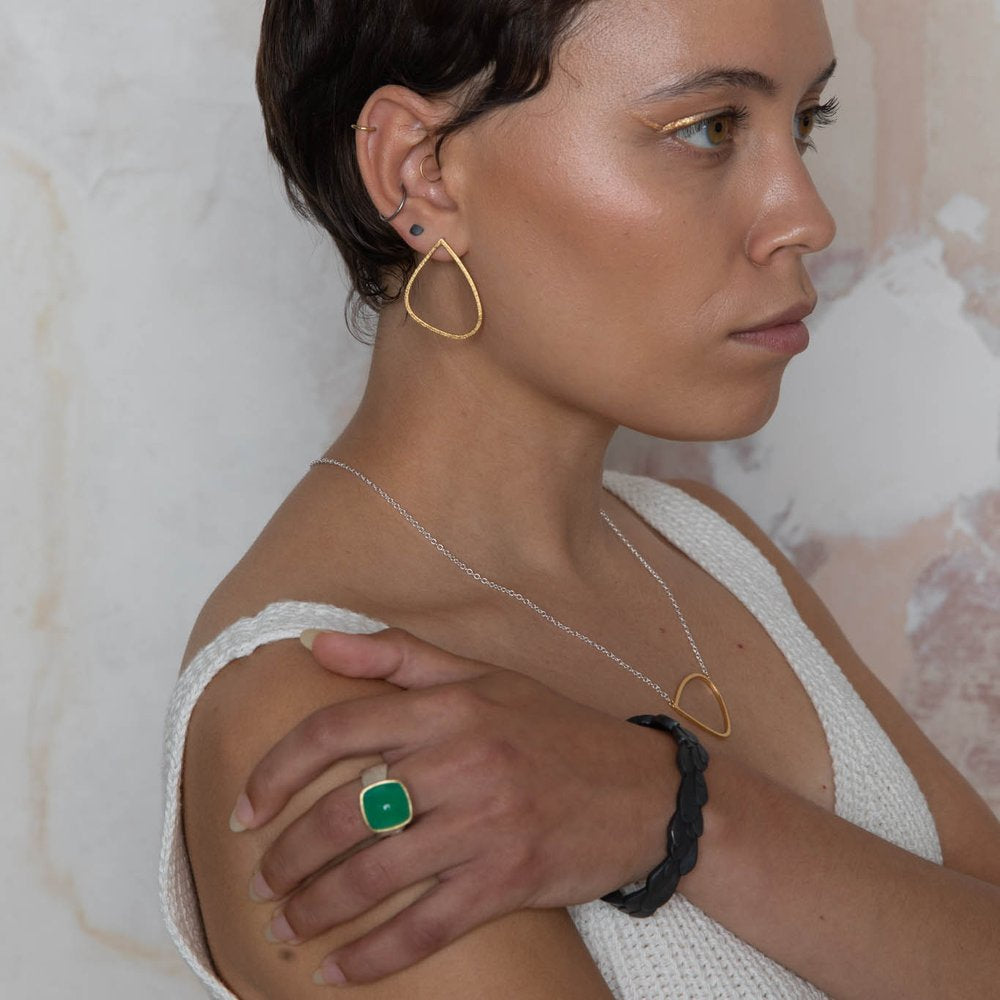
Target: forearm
844, 909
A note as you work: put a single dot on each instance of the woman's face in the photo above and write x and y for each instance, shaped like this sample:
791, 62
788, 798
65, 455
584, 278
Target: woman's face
617, 258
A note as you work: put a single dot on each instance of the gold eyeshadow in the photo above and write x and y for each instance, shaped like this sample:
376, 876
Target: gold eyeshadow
674, 126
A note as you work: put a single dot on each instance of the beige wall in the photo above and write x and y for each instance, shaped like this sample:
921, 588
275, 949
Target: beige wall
153, 281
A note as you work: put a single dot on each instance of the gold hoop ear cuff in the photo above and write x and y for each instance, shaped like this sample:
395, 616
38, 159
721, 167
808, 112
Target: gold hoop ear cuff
429, 156
472, 287
364, 128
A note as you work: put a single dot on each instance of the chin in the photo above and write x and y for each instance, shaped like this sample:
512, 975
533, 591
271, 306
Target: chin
753, 421
724, 420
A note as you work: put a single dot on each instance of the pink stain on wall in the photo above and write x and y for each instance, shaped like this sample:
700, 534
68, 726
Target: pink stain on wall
867, 584
953, 690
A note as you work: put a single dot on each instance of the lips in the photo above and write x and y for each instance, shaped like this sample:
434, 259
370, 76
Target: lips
794, 314
784, 333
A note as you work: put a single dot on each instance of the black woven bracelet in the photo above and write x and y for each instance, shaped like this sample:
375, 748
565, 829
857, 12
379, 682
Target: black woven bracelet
684, 829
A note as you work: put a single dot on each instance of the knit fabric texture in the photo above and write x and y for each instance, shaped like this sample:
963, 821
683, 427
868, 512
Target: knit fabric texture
680, 952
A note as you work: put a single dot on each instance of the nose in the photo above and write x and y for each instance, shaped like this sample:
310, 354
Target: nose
792, 216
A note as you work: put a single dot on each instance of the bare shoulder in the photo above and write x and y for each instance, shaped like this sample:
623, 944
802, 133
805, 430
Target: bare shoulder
327, 544
295, 557
969, 832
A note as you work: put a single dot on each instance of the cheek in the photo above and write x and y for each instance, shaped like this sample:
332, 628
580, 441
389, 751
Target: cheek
615, 291
603, 215
601, 241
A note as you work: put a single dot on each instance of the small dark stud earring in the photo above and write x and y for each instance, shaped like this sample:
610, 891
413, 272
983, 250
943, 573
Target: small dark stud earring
416, 230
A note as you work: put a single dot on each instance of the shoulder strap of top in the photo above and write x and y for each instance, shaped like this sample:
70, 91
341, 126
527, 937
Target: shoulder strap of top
874, 788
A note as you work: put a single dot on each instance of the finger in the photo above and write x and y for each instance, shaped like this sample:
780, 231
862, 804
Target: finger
392, 655
364, 726
378, 871
439, 917
327, 831
333, 825
390, 725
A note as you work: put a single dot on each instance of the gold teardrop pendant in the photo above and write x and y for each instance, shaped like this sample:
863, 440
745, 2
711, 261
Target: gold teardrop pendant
727, 726
468, 278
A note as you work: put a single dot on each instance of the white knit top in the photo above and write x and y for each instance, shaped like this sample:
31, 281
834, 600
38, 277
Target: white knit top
679, 953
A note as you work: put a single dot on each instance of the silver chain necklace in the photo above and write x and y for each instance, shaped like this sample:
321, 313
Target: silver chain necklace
702, 676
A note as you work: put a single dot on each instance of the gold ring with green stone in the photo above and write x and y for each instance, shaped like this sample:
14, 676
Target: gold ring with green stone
386, 806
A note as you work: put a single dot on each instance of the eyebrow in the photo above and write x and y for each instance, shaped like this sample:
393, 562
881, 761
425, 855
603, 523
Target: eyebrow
738, 77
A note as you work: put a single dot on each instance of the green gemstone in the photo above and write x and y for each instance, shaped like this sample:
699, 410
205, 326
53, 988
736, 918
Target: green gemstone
386, 806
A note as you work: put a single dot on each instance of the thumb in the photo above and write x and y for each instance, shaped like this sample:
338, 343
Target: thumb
392, 655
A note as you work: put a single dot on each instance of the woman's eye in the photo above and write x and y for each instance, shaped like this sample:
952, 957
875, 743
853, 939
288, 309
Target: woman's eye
709, 133
807, 121
807, 124
719, 131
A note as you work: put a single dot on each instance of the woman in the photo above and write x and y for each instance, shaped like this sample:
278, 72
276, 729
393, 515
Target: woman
626, 213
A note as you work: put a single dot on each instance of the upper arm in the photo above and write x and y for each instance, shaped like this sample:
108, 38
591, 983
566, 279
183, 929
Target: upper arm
246, 709
968, 830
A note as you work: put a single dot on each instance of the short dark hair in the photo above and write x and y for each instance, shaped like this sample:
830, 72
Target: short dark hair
320, 60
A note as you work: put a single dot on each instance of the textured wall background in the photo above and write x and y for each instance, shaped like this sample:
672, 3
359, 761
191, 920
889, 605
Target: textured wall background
170, 338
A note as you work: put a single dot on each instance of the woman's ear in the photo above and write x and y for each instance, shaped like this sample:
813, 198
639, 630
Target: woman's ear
396, 154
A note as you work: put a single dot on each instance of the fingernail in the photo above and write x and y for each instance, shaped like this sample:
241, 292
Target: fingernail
308, 637
279, 931
242, 815
329, 974
260, 891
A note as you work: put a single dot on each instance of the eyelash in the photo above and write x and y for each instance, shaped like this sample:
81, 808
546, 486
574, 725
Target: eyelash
823, 115
738, 116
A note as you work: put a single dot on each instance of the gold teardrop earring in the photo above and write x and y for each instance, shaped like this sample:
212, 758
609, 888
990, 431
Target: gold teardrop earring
468, 278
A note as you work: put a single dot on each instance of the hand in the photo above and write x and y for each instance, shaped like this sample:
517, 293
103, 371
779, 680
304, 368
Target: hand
522, 798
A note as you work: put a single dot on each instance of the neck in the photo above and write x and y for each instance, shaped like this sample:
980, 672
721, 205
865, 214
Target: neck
489, 464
